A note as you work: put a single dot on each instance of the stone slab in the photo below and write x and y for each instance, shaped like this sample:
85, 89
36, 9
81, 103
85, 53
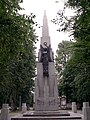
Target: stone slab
47, 118
45, 113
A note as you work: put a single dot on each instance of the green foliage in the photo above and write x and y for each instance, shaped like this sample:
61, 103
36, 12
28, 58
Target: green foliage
83, 4
64, 53
17, 51
81, 26
76, 75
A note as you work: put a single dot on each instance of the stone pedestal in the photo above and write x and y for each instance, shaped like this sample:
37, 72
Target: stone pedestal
74, 107
24, 108
46, 94
5, 112
86, 111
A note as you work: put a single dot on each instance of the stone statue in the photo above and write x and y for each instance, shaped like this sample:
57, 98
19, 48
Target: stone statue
46, 58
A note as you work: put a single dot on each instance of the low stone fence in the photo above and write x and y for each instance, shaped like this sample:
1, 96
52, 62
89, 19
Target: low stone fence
5, 111
85, 110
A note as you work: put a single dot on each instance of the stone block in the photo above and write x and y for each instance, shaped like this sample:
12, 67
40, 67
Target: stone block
74, 107
24, 108
5, 112
86, 111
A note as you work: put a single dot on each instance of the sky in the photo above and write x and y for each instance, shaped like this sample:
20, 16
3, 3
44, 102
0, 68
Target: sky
37, 7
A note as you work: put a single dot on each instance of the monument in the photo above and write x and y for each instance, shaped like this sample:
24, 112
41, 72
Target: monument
46, 93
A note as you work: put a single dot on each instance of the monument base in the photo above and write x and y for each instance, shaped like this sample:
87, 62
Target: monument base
49, 104
46, 94
48, 115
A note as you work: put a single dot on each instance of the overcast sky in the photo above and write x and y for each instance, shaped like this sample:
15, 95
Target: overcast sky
37, 7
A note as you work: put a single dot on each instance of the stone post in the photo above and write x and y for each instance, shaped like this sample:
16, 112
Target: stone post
5, 112
74, 107
86, 111
24, 108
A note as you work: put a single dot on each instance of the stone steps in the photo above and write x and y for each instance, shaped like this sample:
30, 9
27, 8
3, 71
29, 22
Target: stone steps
48, 118
48, 115
45, 113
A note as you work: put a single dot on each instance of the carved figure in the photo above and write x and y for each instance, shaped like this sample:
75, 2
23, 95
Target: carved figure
46, 57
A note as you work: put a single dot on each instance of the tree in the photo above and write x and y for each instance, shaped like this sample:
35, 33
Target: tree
63, 54
81, 49
76, 72
17, 51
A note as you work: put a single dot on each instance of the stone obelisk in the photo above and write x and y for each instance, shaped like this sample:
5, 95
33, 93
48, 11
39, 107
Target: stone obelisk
46, 93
